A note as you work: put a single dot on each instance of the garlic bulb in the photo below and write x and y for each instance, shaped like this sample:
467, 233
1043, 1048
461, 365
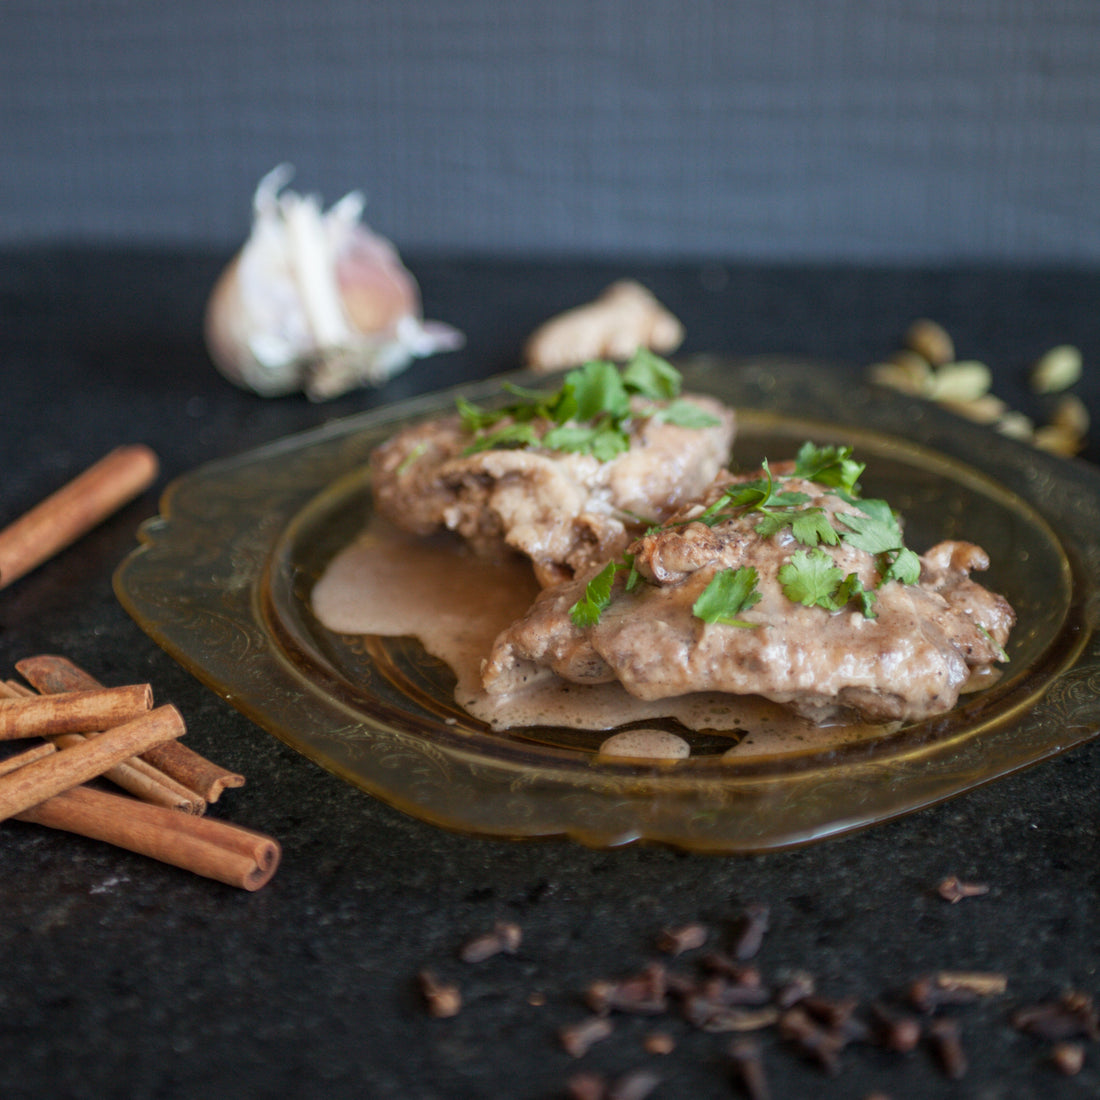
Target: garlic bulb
315, 301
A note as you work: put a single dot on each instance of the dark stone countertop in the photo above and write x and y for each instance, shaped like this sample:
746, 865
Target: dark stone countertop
123, 977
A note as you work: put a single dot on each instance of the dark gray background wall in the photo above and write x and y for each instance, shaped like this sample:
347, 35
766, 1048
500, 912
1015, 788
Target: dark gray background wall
864, 130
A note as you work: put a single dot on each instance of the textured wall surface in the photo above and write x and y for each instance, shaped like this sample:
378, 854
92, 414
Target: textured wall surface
864, 130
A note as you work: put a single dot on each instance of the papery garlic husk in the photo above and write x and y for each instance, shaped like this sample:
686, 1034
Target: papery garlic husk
316, 301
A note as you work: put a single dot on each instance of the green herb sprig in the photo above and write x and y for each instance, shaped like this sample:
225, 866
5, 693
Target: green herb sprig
811, 577
590, 413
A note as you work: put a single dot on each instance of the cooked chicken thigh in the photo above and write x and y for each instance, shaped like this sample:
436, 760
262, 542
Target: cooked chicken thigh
562, 509
881, 648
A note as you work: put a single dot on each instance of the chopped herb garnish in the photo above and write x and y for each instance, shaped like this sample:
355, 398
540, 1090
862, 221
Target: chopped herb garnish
832, 466
814, 580
900, 565
998, 650
728, 594
410, 460
851, 589
510, 436
649, 375
591, 412
873, 528
809, 526
597, 595
811, 577
685, 414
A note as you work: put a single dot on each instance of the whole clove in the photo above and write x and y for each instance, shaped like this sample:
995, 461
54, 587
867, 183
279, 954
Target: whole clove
944, 1038
659, 1042
953, 889
442, 998
831, 1013
635, 1084
1072, 1016
893, 1030
750, 935
645, 993
577, 1039
799, 985
819, 1044
982, 983
1068, 1058
749, 1068
927, 995
728, 991
716, 962
686, 937
719, 1018
504, 938
587, 1086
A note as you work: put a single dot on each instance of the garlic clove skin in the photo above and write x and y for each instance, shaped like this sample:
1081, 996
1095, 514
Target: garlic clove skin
315, 301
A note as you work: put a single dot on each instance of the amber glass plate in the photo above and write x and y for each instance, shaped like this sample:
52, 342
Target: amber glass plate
222, 581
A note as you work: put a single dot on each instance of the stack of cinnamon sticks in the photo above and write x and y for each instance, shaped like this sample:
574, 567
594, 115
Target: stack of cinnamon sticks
81, 731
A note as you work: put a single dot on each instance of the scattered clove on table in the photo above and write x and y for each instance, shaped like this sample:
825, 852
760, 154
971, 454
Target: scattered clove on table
1068, 1058
645, 993
443, 999
749, 1067
578, 1038
686, 937
946, 1042
753, 927
504, 938
953, 889
1071, 1016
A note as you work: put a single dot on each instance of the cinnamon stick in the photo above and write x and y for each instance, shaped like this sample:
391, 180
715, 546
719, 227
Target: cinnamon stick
44, 778
135, 775
73, 711
11, 763
51, 673
72, 511
215, 849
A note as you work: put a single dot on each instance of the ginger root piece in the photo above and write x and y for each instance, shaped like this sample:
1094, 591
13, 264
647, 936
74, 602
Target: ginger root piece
624, 318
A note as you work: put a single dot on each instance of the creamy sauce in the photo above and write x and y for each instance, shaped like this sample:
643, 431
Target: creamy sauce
391, 584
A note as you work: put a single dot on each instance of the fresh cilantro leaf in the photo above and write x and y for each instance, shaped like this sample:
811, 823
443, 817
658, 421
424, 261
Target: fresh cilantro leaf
755, 496
649, 375
608, 442
686, 414
901, 565
811, 526
873, 529
597, 595
728, 594
811, 579
832, 466
529, 395
586, 440
513, 435
851, 588
748, 495
598, 390
814, 580
594, 396
474, 417
633, 577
